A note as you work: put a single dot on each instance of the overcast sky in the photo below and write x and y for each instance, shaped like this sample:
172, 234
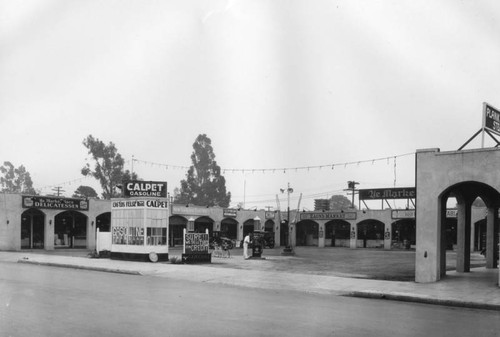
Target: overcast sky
278, 86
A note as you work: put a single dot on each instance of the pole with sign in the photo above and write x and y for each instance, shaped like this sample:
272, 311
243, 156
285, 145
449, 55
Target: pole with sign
491, 125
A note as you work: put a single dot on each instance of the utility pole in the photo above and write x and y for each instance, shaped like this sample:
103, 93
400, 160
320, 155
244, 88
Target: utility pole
288, 248
59, 190
351, 186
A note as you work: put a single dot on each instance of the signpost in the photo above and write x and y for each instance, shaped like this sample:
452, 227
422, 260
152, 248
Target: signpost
195, 248
491, 125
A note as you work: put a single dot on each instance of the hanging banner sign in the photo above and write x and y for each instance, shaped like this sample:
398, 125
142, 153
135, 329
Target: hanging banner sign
491, 118
328, 216
137, 188
388, 193
55, 203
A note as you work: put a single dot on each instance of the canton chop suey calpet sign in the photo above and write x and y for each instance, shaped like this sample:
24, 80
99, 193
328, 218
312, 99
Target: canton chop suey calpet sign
137, 188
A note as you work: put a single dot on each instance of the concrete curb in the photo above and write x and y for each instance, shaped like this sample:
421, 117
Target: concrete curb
424, 300
369, 294
62, 265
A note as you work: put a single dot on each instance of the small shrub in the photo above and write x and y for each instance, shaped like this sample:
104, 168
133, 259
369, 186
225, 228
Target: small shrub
175, 260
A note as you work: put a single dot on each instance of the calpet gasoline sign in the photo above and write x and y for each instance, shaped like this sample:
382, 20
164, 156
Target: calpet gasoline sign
137, 188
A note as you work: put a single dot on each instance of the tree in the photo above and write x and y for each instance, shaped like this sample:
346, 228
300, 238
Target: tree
204, 185
85, 192
108, 168
340, 202
16, 180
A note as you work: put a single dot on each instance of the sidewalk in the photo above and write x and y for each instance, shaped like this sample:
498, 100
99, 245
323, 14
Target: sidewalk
477, 289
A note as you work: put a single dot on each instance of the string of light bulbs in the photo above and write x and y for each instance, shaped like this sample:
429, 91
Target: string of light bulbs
282, 169
253, 170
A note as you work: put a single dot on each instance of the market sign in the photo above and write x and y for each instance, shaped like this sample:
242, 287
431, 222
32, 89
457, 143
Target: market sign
137, 188
403, 214
230, 212
388, 193
491, 118
328, 216
55, 203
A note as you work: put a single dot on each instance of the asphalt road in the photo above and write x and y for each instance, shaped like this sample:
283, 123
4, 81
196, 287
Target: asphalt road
48, 301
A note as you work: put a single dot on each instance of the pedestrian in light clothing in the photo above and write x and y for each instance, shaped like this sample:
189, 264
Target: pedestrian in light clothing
246, 242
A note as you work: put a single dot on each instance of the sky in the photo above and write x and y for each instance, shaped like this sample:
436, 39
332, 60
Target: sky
306, 94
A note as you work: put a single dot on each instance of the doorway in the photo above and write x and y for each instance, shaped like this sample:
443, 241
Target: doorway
32, 229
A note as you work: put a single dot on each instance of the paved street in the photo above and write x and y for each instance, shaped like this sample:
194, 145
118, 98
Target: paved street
49, 301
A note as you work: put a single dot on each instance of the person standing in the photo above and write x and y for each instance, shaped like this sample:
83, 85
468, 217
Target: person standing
246, 242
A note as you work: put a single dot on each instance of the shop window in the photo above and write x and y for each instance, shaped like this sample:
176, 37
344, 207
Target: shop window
157, 236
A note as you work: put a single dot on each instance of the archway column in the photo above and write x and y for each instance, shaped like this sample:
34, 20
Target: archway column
491, 237
353, 235
387, 236
321, 234
429, 250
463, 237
49, 232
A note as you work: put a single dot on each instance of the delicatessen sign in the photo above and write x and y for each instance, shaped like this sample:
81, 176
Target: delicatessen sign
55, 203
137, 188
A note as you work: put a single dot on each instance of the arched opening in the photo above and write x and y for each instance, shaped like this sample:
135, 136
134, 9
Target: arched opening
202, 224
307, 233
370, 234
32, 229
480, 236
269, 226
450, 233
103, 222
229, 228
337, 233
248, 227
458, 235
403, 234
176, 230
70, 230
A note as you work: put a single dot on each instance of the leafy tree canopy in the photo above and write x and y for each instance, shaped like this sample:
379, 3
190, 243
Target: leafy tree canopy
108, 166
204, 185
340, 202
16, 180
85, 192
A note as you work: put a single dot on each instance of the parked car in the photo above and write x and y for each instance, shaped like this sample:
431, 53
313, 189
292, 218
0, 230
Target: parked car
224, 242
268, 240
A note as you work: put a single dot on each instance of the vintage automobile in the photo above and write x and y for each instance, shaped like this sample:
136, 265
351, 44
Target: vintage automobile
224, 242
